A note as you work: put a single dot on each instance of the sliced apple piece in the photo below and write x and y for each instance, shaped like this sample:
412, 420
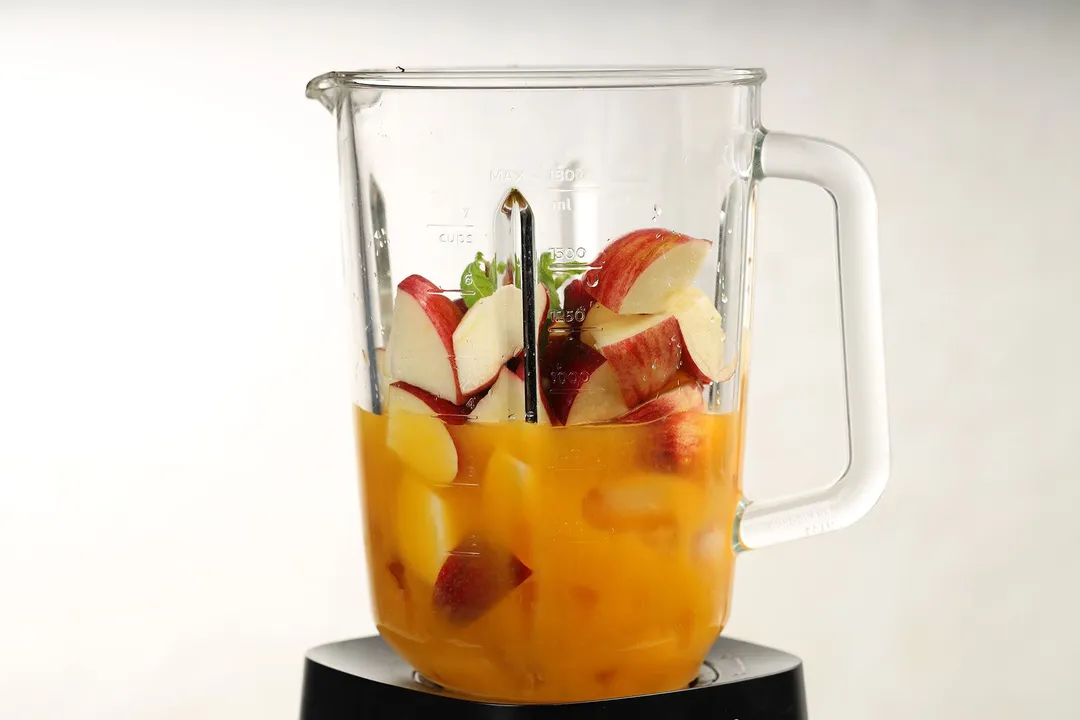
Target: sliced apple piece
638, 272
505, 400
422, 349
488, 336
475, 576
684, 397
429, 526
494, 406
506, 495
581, 384
677, 442
417, 432
701, 331
643, 350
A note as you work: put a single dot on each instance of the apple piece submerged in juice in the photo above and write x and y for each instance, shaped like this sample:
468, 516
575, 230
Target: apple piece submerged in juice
475, 576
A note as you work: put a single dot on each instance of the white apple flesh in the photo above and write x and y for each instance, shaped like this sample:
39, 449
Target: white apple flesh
421, 352
505, 400
701, 330
488, 336
491, 333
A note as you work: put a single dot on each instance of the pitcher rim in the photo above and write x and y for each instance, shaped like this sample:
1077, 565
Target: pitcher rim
535, 77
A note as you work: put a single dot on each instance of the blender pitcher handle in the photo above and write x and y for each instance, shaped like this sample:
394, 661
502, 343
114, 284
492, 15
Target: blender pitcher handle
840, 174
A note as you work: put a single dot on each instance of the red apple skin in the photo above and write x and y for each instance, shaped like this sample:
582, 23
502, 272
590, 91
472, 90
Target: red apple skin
677, 442
447, 411
543, 320
460, 305
621, 263
475, 576
646, 362
683, 397
570, 364
576, 303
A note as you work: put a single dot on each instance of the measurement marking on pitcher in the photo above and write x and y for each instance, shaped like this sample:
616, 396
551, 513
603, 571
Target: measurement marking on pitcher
568, 174
451, 233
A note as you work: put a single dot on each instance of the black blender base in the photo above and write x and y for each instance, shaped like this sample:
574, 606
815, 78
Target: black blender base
363, 678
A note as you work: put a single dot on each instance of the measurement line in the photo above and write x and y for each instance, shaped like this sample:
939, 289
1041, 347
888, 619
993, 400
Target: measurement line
574, 189
449, 225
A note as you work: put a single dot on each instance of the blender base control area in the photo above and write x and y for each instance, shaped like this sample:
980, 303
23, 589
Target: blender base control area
363, 678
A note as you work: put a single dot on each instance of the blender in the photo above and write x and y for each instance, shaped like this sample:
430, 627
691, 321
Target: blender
550, 282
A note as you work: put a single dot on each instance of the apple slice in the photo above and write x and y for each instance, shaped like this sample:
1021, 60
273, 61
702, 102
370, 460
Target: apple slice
494, 405
505, 400
684, 397
677, 442
476, 575
580, 384
422, 347
488, 336
507, 495
429, 526
639, 271
644, 350
417, 432
701, 330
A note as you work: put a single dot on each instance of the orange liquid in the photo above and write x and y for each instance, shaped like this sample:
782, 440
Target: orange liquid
629, 556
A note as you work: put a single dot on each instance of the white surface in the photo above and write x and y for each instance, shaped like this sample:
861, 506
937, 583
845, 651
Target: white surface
178, 515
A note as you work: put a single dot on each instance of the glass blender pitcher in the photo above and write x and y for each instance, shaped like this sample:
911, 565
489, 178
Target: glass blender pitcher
550, 285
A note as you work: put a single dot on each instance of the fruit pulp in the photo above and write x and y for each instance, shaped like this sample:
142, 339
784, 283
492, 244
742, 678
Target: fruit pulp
561, 563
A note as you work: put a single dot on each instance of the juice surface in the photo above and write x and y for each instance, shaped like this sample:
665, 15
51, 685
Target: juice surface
560, 563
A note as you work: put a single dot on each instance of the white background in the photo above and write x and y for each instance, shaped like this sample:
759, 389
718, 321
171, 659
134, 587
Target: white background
178, 511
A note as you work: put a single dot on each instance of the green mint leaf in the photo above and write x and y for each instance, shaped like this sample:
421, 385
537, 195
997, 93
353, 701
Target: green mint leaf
476, 281
553, 296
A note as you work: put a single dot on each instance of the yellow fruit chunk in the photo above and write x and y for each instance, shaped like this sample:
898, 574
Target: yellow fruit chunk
429, 525
417, 432
506, 494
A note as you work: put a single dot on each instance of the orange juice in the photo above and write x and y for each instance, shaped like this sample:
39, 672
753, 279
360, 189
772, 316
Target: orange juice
559, 563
